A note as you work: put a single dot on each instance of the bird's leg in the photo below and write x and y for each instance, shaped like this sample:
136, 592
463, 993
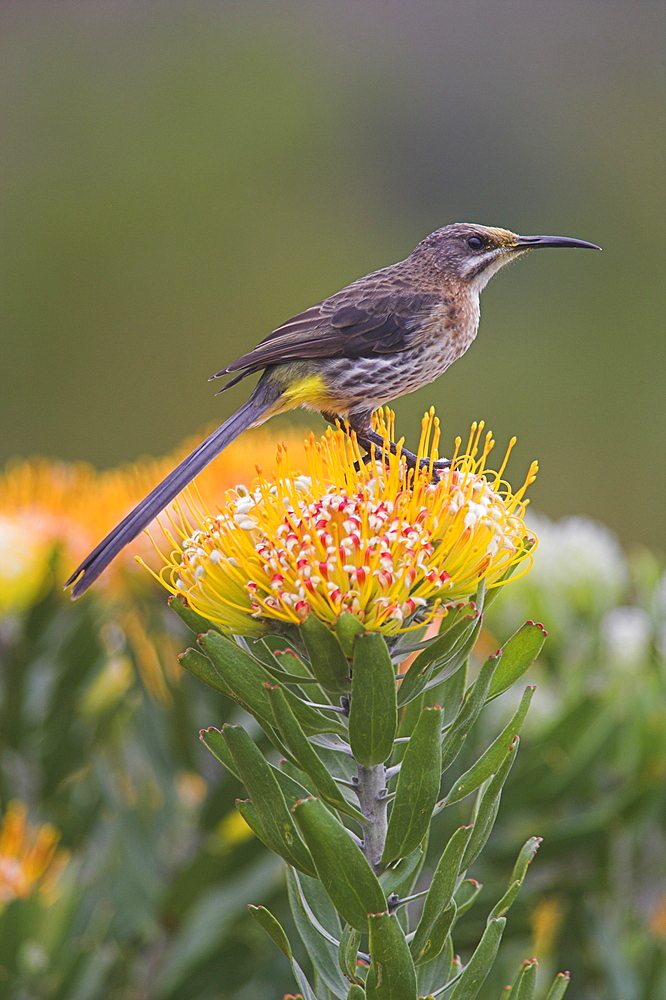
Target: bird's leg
366, 437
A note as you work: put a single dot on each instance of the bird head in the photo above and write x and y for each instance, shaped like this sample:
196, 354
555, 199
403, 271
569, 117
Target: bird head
472, 254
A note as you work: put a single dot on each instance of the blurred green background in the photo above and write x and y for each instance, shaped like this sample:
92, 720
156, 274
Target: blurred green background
179, 178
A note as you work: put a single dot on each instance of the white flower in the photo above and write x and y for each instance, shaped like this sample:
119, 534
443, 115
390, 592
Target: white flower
579, 560
626, 633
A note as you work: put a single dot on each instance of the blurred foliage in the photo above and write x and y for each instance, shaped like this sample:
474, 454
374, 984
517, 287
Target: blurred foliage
179, 178
153, 900
591, 777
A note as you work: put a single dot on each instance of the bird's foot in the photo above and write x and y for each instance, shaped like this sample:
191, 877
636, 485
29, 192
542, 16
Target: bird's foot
413, 460
424, 463
370, 439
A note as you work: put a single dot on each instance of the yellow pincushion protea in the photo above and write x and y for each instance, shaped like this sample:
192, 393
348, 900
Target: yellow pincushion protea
372, 538
29, 857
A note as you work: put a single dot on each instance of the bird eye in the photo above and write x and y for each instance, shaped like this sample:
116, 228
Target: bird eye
475, 243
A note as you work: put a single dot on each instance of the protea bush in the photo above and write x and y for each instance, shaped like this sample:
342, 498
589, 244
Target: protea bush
339, 607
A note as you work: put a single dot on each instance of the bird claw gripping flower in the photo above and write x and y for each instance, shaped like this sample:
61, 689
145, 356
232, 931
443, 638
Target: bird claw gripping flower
380, 540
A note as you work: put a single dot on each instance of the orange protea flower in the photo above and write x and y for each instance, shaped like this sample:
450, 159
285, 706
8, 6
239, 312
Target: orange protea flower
47, 504
24, 562
67, 507
374, 539
29, 857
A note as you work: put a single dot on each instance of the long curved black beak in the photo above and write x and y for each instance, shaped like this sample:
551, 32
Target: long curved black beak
532, 242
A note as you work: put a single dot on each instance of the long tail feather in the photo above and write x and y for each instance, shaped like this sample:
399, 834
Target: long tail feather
162, 495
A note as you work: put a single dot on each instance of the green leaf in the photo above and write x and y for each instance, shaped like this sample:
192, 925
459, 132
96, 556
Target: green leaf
559, 987
299, 778
207, 669
407, 719
289, 661
291, 787
261, 782
465, 895
444, 655
347, 628
303, 751
194, 621
491, 760
450, 694
320, 945
453, 625
319, 908
201, 668
415, 639
475, 696
525, 857
401, 877
303, 984
275, 931
246, 677
278, 674
506, 902
437, 935
508, 989
480, 598
391, 975
373, 712
336, 756
417, 788
284, 665
214, 741
356, 992
447, 694
433, 974
350, 942
440, 895
459, 656
480, 964
249, 813
488, 806
468, 714
525, 988
345, 874
272, 926
327, 661
518, 654
456, 967
453, 744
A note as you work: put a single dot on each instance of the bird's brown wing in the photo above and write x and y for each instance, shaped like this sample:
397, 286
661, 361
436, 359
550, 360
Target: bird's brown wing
356, 322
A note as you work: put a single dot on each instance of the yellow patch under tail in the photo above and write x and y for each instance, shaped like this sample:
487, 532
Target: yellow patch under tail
309, 389
301, 388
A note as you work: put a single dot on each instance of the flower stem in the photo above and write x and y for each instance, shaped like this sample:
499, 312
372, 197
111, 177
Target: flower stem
371, 791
